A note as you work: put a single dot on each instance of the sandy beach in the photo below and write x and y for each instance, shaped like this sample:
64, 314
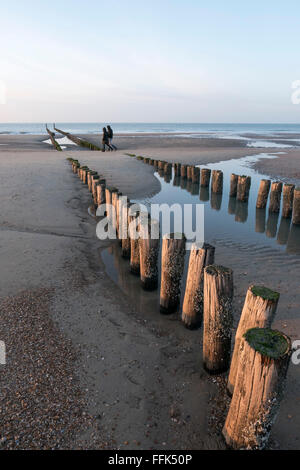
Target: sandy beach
85, 368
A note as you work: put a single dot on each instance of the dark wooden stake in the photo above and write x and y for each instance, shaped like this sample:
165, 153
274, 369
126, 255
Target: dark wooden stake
263, 194
233, 185
243, 188
275, 196
217, 182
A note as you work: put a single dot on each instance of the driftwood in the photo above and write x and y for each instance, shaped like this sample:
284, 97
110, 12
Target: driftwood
78, 141
201, 255
264, 356
217, 312
259, 311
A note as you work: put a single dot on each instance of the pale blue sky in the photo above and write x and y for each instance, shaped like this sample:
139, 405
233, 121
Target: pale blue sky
149, 61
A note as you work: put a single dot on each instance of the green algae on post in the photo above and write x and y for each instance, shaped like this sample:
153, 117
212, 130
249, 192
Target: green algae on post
265, 293
270, 343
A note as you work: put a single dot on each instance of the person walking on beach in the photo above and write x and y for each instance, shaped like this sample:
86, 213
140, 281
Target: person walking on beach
110, 133
105, 140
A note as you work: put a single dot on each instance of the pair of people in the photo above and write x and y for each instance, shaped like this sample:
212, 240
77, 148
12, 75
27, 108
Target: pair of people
107, 138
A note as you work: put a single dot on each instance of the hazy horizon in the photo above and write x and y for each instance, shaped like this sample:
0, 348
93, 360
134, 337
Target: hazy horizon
156, 62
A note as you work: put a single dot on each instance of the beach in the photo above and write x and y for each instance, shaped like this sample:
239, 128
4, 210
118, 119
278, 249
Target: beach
86, 368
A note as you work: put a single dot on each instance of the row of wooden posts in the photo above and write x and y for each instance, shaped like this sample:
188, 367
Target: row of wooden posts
259, 363
239, 187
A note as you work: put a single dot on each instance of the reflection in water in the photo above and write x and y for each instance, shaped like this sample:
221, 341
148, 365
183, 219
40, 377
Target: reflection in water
176, 181
293, 244
215, 201
272, 223
241, 211
183, 183
204, 194
283, 231
195, 189
260, 220
231, 205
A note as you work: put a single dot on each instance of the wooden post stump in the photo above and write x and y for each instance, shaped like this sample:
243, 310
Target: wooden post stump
172, 264
275, 196
296, 207
155, 163
90, 175
95, 179
114, 200
201, 255
125, 241
189, 172
205, 177
101, 192
217, 310
243, 188
177, 169
168, 168
134, 241
195, 174
183, 171
217, 182
263, 193
161, 164
259, 311
287, 202
233, 185
149, 249
263, 363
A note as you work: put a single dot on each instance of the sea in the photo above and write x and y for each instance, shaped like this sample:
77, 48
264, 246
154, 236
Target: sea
206, 129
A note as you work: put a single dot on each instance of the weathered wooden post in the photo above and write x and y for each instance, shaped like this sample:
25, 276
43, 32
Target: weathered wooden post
189, 172
243, 188
149, 249
275, 196
114, 201
205, 177
108, 198
84, 169
125, 234
168, 168
172, 263
133, 218
84, 176
90, 174
177, 169
101, 191
217, 181
264, 356
183, 171
195, 174
95, 179
296, 207
218, 318
161, 164
287, 202
201, 255
155, 163
233, 185
263, 194
259, 311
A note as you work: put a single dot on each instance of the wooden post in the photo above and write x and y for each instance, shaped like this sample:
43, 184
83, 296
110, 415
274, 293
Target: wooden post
217, 182
173, 252
134, 241
161, 164
205, 177
149, 248
114, 201
84, 176
275, 196
108, 199
101, 192
125, 235
259, 311
183, 171
177, 169
90, 174
189, 172
263, 363
195, 174
201, 255
288, 197
155, 163
168, 168
217, 310
95, 179
243, 188
263, 193
296, 206
233, 185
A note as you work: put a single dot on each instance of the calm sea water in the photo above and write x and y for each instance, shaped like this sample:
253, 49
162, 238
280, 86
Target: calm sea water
215, 130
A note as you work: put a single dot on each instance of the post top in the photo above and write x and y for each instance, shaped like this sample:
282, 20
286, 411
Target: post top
269, 343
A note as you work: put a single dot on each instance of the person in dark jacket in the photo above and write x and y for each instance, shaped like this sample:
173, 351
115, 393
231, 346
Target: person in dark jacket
105, 140
110, 133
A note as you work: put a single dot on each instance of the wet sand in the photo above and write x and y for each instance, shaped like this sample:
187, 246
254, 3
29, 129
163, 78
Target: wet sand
138, 382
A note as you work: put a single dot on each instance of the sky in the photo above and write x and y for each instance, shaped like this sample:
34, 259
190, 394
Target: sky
149, 61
